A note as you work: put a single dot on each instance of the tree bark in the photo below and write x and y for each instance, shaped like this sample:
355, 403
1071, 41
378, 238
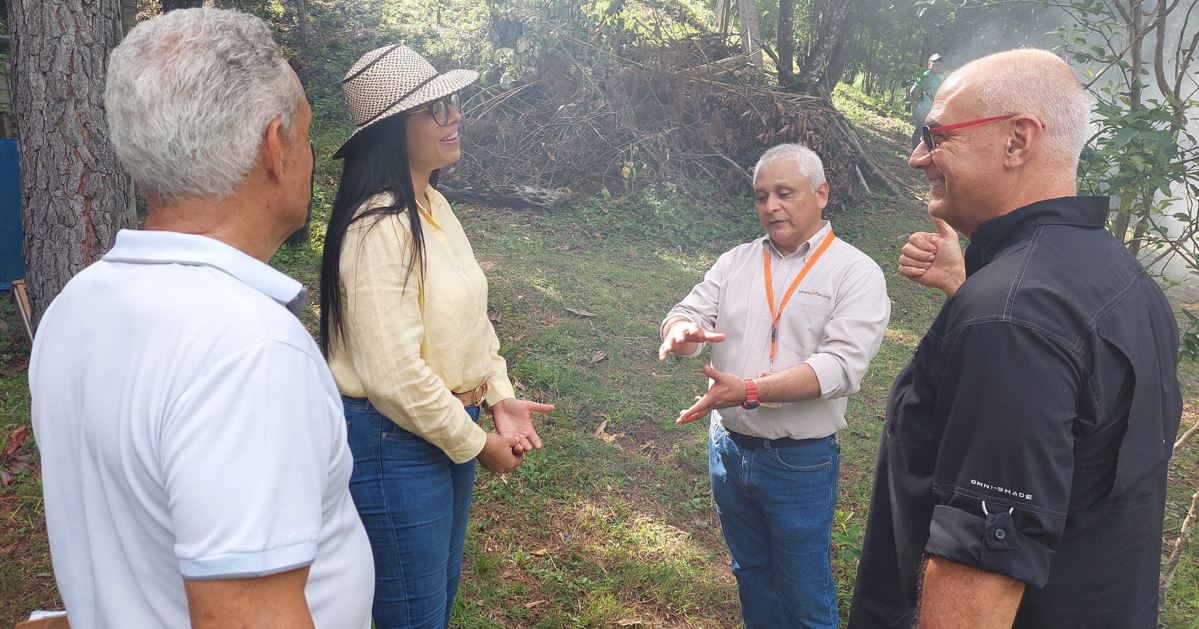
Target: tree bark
74, 194
128, 15
786, 43
834, 18
836, 65
751, 31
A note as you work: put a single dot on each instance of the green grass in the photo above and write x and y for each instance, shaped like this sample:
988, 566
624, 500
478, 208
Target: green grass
26, 579
592, 533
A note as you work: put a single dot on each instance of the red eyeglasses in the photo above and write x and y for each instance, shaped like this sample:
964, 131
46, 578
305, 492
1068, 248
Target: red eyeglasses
929, 134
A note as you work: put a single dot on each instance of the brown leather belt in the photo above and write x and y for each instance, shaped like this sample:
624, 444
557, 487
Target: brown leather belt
474, 397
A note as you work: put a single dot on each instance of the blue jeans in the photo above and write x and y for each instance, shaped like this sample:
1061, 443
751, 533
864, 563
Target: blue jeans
414, 502
776, 512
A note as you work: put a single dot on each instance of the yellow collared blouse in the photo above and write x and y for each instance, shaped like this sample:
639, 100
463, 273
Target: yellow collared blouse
407, 346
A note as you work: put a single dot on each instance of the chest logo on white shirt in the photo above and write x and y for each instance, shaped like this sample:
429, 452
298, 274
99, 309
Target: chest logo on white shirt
814, 293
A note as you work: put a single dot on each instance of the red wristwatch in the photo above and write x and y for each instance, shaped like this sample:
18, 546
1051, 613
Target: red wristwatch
751, 396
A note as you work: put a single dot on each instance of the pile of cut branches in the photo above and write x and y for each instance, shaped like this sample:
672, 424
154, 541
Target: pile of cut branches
587, 118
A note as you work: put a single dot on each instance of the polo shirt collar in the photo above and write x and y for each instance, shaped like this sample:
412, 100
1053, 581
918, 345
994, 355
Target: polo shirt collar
167, 247
990, 238
804, 247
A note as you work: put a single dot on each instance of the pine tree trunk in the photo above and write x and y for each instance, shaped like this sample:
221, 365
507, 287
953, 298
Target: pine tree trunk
74, 194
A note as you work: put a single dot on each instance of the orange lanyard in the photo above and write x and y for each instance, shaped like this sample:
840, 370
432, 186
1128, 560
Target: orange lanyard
777, 313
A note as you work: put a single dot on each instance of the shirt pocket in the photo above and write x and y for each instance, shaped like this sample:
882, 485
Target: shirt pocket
801, 330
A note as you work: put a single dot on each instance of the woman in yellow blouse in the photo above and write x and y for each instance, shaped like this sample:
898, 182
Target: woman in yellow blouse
404, 325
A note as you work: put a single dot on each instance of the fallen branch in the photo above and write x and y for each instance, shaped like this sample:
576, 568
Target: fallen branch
1184, 533
1180, 544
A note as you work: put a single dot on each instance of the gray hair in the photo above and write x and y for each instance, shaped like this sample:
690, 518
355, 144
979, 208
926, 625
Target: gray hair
1038, 82
188, 97
805, 159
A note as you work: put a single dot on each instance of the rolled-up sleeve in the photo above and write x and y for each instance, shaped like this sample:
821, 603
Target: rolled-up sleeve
701, 305
1005, 463
853, 333
384, 329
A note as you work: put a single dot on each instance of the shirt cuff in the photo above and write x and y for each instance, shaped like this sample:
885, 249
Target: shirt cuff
991, 543
499, 388
470, 447
249, 564
828, 375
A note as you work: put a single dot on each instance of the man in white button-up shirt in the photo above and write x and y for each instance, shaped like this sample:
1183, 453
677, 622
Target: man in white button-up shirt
194, 454
795, 318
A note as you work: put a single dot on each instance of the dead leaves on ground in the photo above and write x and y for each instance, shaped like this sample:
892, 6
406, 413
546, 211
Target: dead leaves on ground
602, 434
14, 460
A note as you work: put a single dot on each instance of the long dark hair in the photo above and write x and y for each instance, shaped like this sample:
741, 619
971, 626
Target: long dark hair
376, 160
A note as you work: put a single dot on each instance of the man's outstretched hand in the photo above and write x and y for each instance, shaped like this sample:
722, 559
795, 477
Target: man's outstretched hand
682, 336
726, 391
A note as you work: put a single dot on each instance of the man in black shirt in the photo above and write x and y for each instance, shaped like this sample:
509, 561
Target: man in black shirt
1022, 469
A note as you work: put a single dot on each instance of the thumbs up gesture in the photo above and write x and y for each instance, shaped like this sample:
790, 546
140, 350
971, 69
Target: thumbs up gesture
934, 259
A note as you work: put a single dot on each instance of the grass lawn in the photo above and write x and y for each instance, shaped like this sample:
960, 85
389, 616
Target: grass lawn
607, 528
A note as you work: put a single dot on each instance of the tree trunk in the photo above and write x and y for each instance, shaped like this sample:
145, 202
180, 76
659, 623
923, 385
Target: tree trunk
751, 31
786, 43
128, 15
834, 18
1132, 29
74, 194
841, 50
302, 21
868, 83
171, 5
722, 17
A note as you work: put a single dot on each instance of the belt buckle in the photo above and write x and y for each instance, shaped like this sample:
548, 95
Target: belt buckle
474, 397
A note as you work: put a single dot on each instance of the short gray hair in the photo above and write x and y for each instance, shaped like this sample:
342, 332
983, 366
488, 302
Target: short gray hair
805, 159
188, 97
1038, 82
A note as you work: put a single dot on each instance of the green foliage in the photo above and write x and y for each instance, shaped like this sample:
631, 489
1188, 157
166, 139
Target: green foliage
1134, 150
1142, 152
1189, 347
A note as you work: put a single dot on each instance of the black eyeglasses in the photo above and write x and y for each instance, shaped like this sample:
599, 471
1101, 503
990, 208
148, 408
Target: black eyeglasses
440, 108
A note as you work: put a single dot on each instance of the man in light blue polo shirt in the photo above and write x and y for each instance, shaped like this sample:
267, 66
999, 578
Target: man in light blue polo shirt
193, 444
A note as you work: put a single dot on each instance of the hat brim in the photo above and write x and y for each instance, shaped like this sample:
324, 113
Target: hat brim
444, 85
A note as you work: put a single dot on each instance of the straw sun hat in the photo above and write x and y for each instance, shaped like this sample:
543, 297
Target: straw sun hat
393, 79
